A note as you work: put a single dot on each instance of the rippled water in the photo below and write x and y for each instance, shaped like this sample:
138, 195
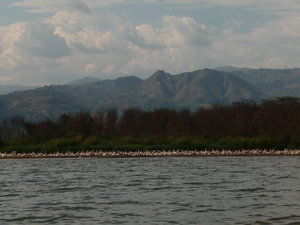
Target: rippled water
211, 190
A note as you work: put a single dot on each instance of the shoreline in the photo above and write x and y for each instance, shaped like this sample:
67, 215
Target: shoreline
139, 154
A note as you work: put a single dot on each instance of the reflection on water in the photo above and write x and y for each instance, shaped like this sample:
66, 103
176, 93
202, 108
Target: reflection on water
216, 190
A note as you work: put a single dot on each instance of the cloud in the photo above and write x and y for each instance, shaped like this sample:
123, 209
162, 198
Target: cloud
5, 78
92, 33
90, 68
38, 6
39, 40
174, 32
75, 42
10, 55
89, 50
186, 29
271, 6
57, 5
46, 6
275, 44
30, 50
78, 6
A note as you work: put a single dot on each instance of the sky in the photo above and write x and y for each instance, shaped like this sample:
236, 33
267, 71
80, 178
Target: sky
57, 41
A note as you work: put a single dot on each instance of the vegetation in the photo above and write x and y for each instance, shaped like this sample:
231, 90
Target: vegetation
273, 124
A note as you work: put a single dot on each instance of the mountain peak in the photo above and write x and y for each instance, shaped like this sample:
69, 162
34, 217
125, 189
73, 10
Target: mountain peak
159, 85
159, 74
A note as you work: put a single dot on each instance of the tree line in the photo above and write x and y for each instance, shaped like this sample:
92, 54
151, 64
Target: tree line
278, 117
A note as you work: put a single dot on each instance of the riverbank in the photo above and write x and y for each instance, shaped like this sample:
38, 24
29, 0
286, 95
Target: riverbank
174, 153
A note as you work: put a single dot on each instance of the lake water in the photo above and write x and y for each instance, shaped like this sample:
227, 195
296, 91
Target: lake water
178, 190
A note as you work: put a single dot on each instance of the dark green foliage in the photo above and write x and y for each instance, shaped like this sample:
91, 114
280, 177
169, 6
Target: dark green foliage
275, 124
2, 144
21, 149
229, 143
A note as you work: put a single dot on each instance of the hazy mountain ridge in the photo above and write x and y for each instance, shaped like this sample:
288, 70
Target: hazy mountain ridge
199, 87
84, 80
191, 89
6, 89
208, 85
274, 82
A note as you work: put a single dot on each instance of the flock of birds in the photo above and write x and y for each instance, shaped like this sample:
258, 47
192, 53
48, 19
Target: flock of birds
154, 153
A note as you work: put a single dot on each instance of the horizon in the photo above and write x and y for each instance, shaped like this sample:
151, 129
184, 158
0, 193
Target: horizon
57, 41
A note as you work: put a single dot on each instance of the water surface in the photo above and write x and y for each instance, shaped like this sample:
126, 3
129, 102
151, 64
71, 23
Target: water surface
179, 190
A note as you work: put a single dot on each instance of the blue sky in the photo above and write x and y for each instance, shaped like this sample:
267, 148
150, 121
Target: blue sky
56, 41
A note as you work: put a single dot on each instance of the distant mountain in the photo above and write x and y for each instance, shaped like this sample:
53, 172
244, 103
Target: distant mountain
191, 89
6, 89
84, 80
274, 82
231, 69
198, 88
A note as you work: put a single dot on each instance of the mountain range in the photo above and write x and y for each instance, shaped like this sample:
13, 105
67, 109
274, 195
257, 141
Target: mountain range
274, 82
190, 89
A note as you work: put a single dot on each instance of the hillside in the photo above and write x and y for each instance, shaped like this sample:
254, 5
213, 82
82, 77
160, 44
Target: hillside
274, 82
198, 88
191, 89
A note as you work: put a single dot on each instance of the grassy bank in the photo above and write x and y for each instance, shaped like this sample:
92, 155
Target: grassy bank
80, 143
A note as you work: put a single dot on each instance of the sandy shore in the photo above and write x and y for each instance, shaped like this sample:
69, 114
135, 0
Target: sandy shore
174, 153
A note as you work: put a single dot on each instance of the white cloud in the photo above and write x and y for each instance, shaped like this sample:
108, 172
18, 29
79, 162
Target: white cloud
91, 33
10, 55
29, 50
83, 6
174, 32
74, 41
175, 45
271, 6
91, 68
45, 6
5, 78
275, 44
